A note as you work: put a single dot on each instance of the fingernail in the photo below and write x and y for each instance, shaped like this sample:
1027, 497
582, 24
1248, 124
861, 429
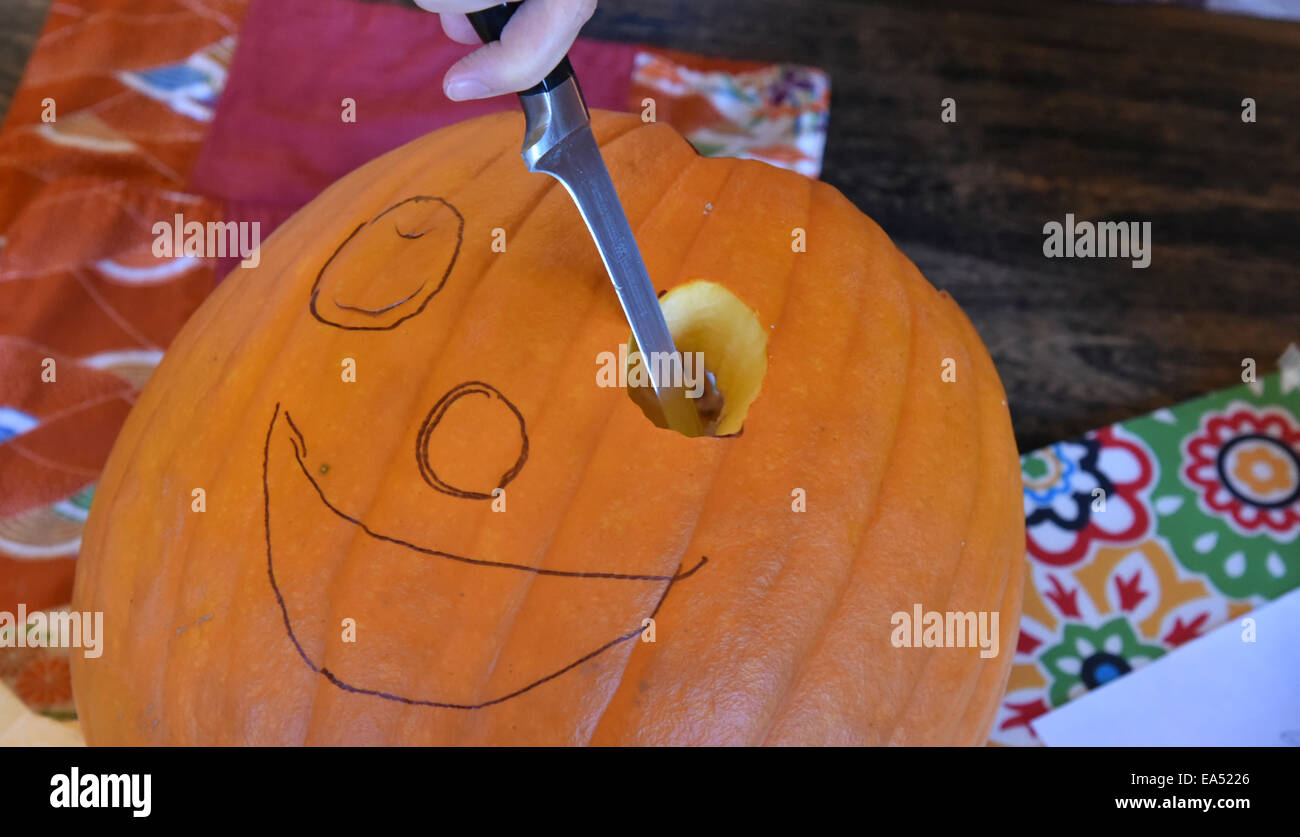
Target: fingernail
466, 88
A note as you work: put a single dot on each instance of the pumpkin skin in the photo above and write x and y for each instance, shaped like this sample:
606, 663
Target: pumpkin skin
370, 500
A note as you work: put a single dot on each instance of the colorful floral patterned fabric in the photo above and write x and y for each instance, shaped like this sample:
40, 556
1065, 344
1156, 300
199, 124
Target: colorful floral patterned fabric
776, 113
1149, 533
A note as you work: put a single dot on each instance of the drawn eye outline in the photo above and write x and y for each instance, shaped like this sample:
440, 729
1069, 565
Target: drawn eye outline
442, 281
427, 472
298, 443
435, 417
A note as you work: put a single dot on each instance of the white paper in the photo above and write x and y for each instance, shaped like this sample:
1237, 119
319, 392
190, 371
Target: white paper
1218, 690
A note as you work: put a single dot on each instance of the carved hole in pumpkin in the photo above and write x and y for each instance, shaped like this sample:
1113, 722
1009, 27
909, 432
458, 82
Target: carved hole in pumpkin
707, 318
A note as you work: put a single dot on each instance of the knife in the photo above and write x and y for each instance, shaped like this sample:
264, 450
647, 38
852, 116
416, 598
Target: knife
558, 141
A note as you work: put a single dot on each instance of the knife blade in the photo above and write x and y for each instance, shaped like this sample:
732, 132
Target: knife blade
558, 141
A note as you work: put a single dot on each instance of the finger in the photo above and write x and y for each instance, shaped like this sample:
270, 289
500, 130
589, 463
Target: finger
531, 44
459, 29
455, 6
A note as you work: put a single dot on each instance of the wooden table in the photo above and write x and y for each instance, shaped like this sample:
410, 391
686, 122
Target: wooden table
1109, 112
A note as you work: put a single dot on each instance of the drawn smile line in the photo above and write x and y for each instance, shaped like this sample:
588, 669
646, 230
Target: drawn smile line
438, 553
332, 678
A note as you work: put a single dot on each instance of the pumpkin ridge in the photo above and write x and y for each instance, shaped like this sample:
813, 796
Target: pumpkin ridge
868, 519
614, 138
915, 683
998, 512
160, 695
734, 166
987, 667
1013, 591
143, 434
231, 288
868, 522
1006, 543
732, 163
597, 439
979, 467
399, 445
531, 207
985, 463
911, 288
214, 318
1010, 506
268, 372
817, 195
522, 598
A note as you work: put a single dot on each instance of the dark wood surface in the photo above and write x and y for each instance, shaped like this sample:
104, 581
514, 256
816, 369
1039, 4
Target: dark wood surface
1110, 112
20, 23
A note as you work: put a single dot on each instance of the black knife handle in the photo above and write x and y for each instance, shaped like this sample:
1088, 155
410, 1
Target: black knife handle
491, 21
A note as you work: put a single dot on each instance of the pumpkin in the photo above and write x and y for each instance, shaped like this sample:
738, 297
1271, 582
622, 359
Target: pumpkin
376, 493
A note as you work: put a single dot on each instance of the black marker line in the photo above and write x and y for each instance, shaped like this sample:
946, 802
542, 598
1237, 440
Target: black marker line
375, 312
451, 556
296, 431
460, 239
435, 417
348, 687
270, 568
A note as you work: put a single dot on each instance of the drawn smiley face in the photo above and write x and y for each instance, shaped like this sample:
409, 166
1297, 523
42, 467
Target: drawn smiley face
419, 559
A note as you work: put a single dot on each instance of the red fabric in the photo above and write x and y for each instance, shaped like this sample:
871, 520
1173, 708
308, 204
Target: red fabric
279, 138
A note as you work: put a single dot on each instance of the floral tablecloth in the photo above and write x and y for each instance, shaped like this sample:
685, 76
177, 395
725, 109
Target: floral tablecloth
1146, 534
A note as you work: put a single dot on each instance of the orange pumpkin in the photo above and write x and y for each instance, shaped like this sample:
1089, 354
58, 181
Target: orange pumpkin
299, 536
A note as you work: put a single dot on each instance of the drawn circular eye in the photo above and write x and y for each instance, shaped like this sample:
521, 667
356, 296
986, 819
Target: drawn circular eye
474, 437
389, 268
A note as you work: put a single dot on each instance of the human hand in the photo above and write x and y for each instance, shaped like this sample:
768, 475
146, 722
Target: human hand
533, 42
